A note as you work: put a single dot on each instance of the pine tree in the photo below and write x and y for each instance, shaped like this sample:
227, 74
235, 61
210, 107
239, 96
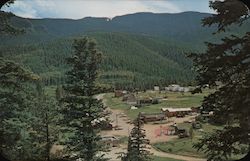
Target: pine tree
138, 145
6, 2
80, 107
15, 98
44, 126
226, 67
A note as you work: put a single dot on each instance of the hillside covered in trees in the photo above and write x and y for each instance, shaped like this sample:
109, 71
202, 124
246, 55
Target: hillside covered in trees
139, 50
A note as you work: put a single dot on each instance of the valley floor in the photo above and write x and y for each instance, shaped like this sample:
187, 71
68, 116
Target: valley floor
119, 118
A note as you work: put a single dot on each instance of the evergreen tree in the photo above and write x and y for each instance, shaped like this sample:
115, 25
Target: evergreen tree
26, 118
6, 2
137, 143
226, 67
18, 140
44, 126
15, 99
80, 107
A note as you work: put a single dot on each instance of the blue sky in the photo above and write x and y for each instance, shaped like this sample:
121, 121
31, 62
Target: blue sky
76, 9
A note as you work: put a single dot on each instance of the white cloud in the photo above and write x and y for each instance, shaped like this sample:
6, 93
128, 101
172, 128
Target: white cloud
77, 9
96, 8
162, 6
23, 9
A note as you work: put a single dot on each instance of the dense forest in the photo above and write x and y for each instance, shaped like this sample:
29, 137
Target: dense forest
139, 50
127, 60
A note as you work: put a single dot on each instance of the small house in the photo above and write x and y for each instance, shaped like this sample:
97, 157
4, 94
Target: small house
181, 89
152, 117
174, 112
167, 88
119, 93
156, 88
186, 89
174, 87
177, 88
143, 101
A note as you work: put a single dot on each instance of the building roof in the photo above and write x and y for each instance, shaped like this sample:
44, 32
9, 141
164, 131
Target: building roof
176, 109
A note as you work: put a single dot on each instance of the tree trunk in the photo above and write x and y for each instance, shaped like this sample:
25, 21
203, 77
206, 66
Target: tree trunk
47, 139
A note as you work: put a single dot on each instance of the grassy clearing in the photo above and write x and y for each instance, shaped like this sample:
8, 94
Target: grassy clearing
174, 99
155, 158
115, 103
180, 146
185, 146
207, 127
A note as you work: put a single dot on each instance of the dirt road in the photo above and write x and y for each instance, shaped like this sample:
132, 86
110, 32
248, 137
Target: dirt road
119, 118
153, 131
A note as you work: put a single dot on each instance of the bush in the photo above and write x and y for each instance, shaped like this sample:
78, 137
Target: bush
155, 101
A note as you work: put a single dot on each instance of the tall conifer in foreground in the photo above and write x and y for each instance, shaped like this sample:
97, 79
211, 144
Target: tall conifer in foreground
80, 107
226, 67
137, 144
15, 100
45, 121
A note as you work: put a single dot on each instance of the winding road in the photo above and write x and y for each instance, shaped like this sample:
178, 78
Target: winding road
122, 121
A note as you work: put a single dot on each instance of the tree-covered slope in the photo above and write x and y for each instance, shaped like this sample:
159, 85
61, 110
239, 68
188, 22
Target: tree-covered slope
183, 27
139, 49
128, 59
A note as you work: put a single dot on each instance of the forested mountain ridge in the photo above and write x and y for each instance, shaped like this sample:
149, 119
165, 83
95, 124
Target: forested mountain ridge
128, 60
141, 49
185, 26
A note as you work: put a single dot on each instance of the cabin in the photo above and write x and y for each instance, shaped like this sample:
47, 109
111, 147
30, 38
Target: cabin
143, 101
147, 101
175, 112
152, 117
167, 88
186, 89
119, 93
156, 88
177, 88
174, 87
